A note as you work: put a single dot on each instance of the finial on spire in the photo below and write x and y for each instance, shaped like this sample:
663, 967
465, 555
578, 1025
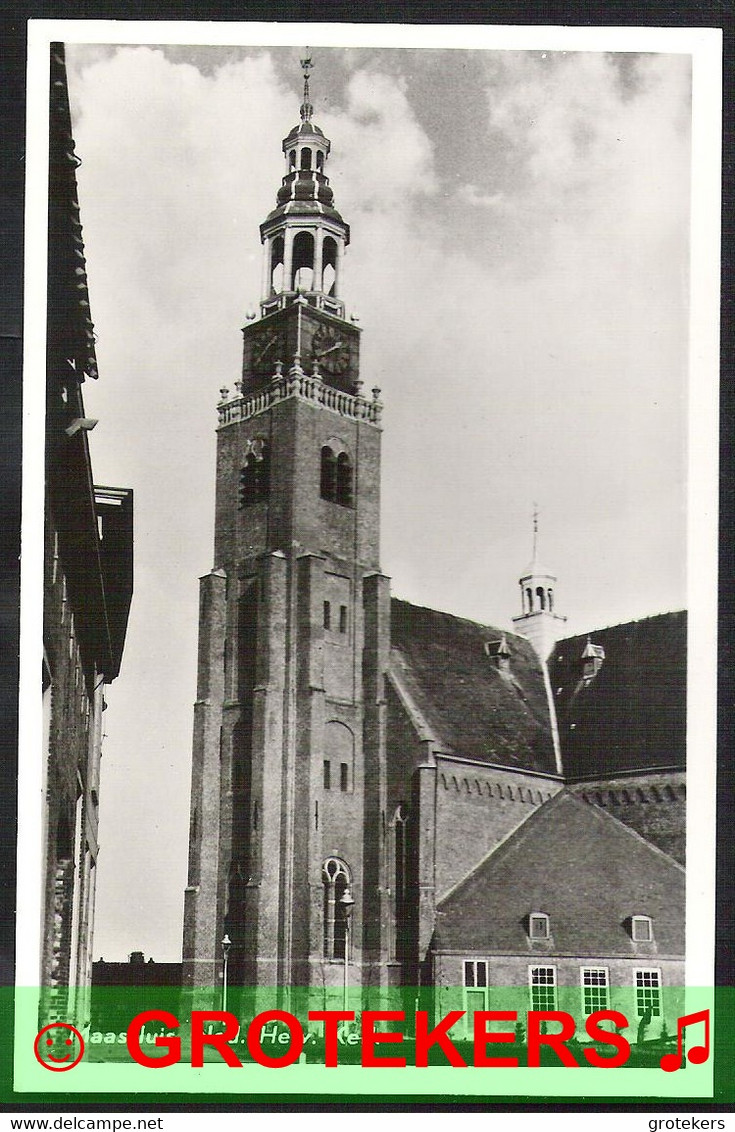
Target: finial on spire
535, 532
306, 108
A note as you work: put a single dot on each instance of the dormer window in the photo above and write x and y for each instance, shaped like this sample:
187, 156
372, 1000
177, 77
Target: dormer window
499, 653
641, 929
539, 926
592, 660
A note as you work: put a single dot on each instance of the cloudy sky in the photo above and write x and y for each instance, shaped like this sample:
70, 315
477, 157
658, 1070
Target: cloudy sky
519, 264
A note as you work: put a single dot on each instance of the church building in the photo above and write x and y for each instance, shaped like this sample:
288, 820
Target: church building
385, 796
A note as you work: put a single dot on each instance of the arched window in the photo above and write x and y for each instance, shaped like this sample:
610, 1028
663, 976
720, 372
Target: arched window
277, 265
329, 265
240, 758
336, 881
550, 597
540, 594
306, 158
529, 600
302, 269
328, 485
401, 879
292, 159
255, 474
336, 476
344, 480
339, 753
319, 160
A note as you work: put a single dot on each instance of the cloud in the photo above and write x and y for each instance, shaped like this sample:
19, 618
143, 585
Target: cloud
591, 144
527, 327
471, 195
384, 158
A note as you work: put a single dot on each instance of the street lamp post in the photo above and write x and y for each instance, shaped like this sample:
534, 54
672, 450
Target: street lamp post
226, 945
346, 903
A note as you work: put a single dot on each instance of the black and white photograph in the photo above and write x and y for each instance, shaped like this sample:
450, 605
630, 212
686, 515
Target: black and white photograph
375, 536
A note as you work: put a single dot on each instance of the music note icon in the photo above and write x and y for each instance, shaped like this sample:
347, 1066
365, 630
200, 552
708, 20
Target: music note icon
697, 1054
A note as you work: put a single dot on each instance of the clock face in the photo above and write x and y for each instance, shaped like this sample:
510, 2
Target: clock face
268, 347
330, 349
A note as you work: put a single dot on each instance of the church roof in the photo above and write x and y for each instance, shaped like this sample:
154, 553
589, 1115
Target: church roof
303, 128
631, 715
586, 871
471, 707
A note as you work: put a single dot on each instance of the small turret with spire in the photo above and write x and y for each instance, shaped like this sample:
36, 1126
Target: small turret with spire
539, 620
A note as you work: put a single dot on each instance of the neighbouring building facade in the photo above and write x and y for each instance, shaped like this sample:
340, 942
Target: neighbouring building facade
87, 594
386, 796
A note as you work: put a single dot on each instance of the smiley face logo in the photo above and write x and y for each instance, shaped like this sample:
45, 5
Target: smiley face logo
58, 1047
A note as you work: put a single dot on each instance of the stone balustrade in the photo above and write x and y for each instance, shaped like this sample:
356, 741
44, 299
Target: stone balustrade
305, 387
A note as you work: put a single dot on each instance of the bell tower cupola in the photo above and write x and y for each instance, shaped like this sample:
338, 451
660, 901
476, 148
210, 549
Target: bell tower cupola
304, 237
539, 620
302, 330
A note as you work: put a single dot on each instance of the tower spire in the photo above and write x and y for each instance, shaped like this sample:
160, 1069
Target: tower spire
306, 107
539, 620
304, 237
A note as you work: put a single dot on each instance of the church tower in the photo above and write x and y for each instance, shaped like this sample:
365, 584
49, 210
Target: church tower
539, 621
288, 774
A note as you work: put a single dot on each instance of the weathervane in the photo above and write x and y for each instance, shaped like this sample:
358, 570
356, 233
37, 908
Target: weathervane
535, 531
306, 108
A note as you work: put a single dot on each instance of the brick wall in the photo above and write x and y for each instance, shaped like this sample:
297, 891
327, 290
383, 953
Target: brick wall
476, 808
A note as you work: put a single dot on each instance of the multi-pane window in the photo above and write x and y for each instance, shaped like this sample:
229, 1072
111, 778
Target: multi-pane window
327, 615
327, 774
344, 777
343, 618
594, 989
648, 992
336, 881
542, 983
475, 973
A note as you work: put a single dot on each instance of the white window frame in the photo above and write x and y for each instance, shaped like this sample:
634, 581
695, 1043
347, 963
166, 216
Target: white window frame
532, 986
544, 921
334, 869
643, 1000
594, 987
475, 988
640, 921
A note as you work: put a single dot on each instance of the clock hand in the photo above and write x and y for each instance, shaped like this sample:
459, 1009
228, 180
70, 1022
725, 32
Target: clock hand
264, 351
331, 350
